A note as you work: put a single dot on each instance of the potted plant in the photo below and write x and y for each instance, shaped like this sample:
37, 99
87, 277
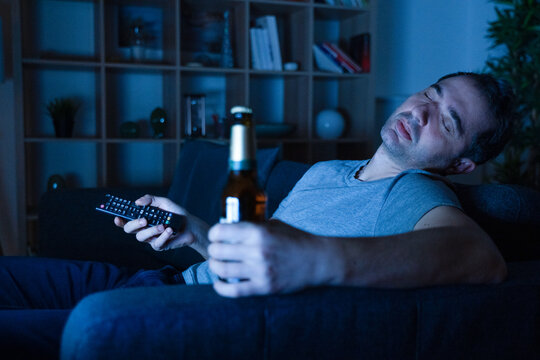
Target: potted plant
517, 30
62, 112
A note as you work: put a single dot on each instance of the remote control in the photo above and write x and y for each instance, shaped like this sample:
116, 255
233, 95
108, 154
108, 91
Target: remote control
126, 209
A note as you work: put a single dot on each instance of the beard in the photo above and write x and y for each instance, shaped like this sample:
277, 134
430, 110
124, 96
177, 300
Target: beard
407, 155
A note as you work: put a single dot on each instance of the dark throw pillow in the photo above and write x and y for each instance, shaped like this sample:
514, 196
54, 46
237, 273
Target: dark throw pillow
201, 174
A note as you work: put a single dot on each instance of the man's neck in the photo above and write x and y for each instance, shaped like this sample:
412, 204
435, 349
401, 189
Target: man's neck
379, 167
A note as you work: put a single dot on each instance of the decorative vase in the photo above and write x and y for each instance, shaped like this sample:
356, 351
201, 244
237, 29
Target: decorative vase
56, 182
329, 124
158, 121
63, 126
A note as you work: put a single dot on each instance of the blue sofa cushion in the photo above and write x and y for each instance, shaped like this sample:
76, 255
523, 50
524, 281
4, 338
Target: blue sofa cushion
193, 322
201, 174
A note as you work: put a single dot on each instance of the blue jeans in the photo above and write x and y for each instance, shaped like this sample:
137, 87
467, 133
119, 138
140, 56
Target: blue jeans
37, 295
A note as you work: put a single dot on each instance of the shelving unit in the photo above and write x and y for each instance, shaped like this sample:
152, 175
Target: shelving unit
73, 48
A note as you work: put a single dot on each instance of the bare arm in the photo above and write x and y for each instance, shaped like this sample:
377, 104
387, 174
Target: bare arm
446, 247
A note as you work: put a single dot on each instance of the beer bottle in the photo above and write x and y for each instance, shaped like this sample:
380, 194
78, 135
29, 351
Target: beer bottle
242, 199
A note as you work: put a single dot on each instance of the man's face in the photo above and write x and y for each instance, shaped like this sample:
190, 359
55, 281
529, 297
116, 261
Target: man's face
433, 127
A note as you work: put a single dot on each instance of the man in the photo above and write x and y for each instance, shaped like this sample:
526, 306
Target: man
391, 221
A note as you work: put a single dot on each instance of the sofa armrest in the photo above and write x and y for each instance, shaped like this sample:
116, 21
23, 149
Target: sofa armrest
71, 228
193, 322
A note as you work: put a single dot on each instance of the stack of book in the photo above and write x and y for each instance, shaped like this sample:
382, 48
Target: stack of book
264, 40
330, 57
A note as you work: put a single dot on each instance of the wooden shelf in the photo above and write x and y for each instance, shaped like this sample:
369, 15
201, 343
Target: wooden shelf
87, 60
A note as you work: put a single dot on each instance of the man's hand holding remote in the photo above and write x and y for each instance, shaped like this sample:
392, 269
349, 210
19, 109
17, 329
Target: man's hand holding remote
161, 237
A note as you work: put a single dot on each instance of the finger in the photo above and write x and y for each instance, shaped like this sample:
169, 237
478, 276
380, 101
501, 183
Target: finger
135, 225
119, 221
228, 269
163, 240
234, 252
150, 233
178, 241
145, 200
242, 232
160, 202
234, 290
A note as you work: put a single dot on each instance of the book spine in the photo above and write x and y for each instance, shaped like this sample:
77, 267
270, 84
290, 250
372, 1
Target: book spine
255, 56
264, 44
336, 57
269, 23
366, 56
360, 50
332, 56
342, 58
325, 61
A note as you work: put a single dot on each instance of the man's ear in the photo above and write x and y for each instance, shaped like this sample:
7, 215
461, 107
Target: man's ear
461, 166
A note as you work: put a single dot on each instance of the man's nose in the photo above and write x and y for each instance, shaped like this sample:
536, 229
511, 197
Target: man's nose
421, 114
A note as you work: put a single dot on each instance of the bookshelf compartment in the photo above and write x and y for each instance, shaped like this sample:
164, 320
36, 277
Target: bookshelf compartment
133, 94
339, 27
75, 162
154, 41
61, 29
43, 84
347, 95
281, 100
221, 91
140, 164
213, 34
293, 30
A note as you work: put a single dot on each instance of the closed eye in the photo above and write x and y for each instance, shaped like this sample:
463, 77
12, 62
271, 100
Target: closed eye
448, 130
426, 95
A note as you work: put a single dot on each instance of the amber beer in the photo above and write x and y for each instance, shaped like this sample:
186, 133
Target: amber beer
242, 199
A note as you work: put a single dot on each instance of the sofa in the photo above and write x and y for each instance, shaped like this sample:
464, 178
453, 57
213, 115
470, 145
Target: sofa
192, 322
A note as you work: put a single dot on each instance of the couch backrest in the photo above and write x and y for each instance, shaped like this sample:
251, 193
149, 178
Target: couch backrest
510, 214
282, 179
201, 174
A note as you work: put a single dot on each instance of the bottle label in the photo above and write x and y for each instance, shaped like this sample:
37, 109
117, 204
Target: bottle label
232, 211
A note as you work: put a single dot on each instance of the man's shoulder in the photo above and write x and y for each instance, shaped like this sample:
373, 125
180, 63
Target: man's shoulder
422, 186
422, 178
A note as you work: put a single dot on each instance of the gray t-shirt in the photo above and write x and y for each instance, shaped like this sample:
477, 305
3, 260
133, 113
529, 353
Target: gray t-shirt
328, 200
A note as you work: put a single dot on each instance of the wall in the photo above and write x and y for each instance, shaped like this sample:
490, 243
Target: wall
418, 41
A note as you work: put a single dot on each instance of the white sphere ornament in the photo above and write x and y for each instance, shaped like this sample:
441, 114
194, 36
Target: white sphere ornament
329, 124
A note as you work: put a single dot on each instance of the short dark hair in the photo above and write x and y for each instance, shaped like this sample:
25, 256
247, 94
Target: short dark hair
502, 102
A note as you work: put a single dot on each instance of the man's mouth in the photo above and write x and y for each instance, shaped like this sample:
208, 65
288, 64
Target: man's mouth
403, 130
